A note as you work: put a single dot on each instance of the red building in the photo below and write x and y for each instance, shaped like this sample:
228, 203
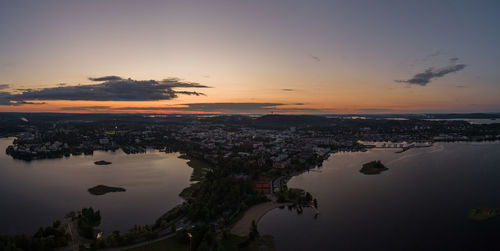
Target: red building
264, 185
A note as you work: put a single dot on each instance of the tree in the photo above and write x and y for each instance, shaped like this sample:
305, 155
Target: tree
254, 233
308, 196
182, 236
281, 197
87, 220
203, 246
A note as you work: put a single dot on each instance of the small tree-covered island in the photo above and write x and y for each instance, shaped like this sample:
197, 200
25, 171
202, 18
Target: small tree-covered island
102, 189
102, 163
373, 167
483, 213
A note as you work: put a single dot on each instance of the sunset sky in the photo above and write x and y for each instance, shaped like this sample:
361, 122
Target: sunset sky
249, 56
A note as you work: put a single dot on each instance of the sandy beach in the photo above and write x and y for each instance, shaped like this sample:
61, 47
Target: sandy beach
242, 227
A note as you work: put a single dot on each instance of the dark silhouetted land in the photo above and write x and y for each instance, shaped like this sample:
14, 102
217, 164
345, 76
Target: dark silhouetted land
373, 167
483, 213
102, 162
102, 189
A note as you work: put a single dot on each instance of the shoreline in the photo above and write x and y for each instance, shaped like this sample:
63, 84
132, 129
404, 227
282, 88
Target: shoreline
255, 213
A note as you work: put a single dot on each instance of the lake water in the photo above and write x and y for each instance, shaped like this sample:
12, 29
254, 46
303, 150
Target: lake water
38, 192
471, 121
420, 203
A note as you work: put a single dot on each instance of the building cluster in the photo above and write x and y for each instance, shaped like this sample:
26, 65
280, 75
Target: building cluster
215, 140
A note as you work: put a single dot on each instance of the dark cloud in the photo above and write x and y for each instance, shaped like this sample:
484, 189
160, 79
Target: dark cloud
204, 107
376, 110
244, 107
200, 107
425, 77
175, 82
4, 86
298, 110
22, 102
5, 98
190, 93
317, 59
226, 107
454, 60
288, 90
144, 108
210, 107
85, 108
214, 107
106, 78
113, 89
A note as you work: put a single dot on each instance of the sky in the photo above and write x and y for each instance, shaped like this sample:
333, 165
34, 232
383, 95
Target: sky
260, 56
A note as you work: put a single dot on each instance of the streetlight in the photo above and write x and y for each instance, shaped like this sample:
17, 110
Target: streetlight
190, 237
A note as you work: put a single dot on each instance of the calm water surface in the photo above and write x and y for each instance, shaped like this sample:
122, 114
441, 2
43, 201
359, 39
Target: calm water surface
38, 192
471, 121
420, 203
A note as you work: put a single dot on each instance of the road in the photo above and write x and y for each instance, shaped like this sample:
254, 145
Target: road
140, 244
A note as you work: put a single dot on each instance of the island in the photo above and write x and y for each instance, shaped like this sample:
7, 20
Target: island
373, 167
483, 213
102, 189
102, 162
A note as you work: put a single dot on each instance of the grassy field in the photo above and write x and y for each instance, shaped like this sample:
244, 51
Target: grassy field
168, 244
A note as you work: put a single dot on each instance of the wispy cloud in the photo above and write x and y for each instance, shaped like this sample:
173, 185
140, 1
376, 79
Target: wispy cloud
376, 110
106, 78
204, 108
425, 77
4, 86
288, 90
196, 107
